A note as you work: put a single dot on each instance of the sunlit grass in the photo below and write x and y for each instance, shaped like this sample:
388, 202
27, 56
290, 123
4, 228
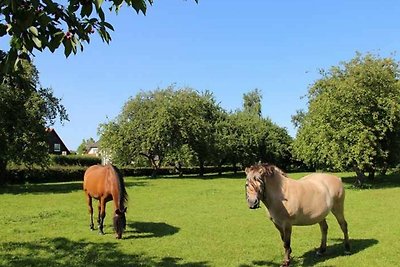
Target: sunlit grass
187, 222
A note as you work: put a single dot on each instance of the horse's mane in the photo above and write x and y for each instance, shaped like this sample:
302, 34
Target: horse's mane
269, 169
122, 189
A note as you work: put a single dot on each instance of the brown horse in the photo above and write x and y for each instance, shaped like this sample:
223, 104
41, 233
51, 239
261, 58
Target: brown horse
105, 183
296, 202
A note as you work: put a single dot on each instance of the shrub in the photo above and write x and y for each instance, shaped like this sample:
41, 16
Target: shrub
45, 175
72, 160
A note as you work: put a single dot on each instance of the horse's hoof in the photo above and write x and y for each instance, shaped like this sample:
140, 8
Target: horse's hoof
285, 263
101, 233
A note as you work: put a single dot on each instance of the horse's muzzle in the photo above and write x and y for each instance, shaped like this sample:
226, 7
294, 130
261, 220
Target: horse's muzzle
254, 205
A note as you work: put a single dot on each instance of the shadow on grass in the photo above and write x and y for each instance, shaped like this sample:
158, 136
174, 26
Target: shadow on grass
379, 182
310, 258
149, 230
64, 252
261, 263
54, 188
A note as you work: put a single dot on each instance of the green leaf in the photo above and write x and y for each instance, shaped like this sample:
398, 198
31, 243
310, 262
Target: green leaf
33, 30
67, 46
101, 14
98, 3
87, 9
108, 25
37, 42
139, 6
56, 40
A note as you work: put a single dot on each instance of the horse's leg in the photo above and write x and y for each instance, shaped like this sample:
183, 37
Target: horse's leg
99, 212
89, 202
280, 231
338, 211
287, 232
102, 215
324, 232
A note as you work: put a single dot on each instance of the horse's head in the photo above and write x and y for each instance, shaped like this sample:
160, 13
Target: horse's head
255, 184
119, 222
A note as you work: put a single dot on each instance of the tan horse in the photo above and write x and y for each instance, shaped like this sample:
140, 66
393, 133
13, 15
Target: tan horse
296, 202
105, 183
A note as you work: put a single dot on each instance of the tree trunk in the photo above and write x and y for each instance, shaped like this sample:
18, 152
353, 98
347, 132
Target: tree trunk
178, 168
371, 176
201, 165
3, 171
152, 163
234, 167
360, 177
220, 168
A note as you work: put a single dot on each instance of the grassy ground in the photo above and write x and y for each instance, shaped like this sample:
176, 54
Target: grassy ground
189, 222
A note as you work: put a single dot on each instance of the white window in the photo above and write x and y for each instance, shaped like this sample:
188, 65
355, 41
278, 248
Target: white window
57, 147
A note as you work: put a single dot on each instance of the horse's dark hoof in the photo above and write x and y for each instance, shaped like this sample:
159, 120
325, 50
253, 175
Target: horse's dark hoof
101, 233
285, 263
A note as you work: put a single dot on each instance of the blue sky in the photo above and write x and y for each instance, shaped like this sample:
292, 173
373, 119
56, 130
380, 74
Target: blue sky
227, 47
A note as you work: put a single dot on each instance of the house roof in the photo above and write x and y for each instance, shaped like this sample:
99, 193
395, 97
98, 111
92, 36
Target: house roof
92, 145
52, 131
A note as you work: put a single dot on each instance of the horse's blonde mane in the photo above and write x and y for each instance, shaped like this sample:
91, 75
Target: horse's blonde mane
267, 169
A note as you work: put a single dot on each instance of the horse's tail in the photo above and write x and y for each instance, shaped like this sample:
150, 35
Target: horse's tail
122, 189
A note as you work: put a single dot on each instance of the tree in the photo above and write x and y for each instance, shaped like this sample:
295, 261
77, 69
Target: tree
25, 113
252, 102
245, 137
353, 117
145, 127
160, 125
197, 117
46, 24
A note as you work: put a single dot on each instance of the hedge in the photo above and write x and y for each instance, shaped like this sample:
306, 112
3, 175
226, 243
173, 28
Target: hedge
18, 175
72, 160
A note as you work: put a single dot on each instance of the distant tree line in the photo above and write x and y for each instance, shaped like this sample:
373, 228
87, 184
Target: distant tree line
184, 127
352, 122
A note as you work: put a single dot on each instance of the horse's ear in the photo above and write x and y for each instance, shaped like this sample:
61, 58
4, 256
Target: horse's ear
247, 170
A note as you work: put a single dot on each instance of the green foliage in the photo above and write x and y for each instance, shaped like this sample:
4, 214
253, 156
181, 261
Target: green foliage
52, 174
252, 138
353, 117
184, 128
252, 102
72, 160
65, 169
159, 124
48, 24
25, 113
82, 148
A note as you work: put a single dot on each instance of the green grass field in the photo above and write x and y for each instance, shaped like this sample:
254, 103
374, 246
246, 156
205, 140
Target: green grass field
189, 222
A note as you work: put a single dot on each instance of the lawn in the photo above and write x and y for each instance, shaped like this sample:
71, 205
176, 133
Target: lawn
189, 222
